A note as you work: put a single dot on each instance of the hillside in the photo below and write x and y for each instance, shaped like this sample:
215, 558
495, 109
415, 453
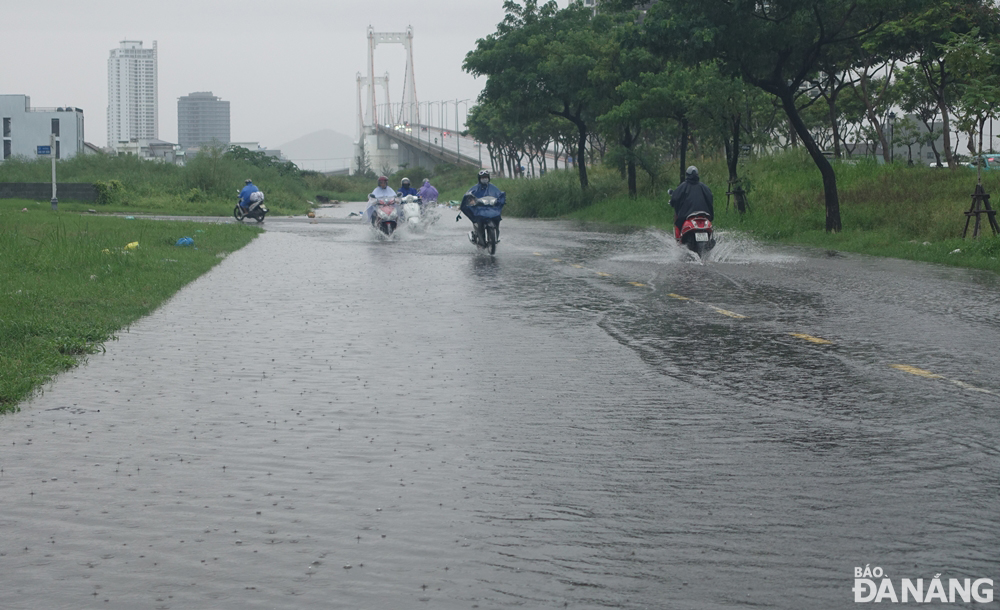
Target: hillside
324, 150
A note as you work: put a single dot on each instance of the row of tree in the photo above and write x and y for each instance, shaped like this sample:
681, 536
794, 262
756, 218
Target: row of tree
637, 87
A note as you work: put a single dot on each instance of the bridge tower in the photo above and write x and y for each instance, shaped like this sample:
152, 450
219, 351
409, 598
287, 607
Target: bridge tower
381, 153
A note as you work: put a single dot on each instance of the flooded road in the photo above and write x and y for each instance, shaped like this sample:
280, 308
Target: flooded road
588, 420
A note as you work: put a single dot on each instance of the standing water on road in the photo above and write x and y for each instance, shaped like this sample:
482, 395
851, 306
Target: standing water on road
589, 419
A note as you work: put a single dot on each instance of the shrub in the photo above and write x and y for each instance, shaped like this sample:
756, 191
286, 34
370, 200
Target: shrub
111, 192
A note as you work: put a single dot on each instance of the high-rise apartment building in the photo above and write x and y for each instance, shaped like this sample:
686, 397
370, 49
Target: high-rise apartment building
133, 112
201, 119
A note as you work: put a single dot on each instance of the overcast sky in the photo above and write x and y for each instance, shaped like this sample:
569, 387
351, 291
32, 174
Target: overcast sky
287, 67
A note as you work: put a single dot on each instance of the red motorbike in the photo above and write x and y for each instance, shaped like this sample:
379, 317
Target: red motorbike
696, 234
386, 215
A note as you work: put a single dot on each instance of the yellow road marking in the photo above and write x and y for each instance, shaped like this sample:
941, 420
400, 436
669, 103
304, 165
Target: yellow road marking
558, 260
678, 297
906, 368
726, 312
603, 274
537, 253
811, 338
578, 266
637, 283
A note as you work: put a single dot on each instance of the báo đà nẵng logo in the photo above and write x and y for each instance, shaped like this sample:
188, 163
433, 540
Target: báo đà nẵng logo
874, 585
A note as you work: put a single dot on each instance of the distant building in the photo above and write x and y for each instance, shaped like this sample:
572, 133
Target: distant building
256, 147
133, 111
151, 150
26, 128
642, 6
202, 118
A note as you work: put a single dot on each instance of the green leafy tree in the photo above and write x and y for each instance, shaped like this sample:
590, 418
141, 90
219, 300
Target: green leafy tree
977, 62
541, 57
924, 34
775, 45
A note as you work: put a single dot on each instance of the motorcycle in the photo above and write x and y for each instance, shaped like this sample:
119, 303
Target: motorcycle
697, 234
412, 211
257, 210
385, 215
485, 215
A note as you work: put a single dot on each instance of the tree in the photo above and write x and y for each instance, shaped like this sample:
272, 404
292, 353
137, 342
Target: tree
541, 57
774, 45
977, 61
916, 99
925, 33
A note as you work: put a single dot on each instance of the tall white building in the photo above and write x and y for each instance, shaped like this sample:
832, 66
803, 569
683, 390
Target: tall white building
133, 111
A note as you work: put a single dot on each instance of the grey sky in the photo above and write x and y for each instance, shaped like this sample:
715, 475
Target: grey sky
287, 67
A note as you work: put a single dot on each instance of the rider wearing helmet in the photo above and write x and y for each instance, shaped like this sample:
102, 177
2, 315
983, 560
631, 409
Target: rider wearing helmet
248, 190
484, 188
381, 192
428, 192
405, 188
690, 197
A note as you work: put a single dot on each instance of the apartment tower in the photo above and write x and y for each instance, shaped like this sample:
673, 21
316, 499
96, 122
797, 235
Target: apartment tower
133, 112
201, 119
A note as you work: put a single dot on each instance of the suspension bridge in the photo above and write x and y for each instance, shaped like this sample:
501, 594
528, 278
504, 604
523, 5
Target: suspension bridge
407, 133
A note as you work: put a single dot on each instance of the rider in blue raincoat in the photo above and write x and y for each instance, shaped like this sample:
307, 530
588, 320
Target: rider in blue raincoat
479, 213
248, 190
405, 189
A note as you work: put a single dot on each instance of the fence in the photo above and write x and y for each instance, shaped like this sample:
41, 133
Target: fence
66, 191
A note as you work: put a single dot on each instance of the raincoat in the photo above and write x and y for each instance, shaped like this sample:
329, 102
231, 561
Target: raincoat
428, 192
378, 193
245, 195
690, 197
479, 213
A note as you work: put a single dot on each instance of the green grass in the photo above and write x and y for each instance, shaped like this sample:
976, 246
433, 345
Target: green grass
69, 284
886, 210
206, 186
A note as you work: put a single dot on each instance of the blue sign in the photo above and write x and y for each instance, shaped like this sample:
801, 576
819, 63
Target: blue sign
44, 150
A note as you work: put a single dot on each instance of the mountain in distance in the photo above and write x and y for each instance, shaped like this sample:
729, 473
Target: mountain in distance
324, 151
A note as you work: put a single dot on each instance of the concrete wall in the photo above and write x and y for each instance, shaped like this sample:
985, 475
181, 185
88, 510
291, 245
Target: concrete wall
65, 191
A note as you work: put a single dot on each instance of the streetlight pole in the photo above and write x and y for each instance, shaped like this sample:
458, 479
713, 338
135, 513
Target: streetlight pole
52, 151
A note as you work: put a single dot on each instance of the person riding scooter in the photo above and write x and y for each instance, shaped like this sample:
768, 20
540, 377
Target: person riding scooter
690, 197
246, 193
405, 189
382, 191
484, 188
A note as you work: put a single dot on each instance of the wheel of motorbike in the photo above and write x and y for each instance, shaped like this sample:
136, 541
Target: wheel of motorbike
481, 234
701, 247
260, 217
238, 213
491, 238
387, 228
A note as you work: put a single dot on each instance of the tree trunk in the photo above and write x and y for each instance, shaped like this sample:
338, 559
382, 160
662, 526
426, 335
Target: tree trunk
825, 169
834, 125
733, 151
581, 143
628, 141
684, 147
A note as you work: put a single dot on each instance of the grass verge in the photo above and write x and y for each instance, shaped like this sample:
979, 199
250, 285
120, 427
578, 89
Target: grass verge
71, 282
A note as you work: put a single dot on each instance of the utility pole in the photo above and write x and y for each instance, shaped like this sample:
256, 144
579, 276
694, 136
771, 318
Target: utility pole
52, 148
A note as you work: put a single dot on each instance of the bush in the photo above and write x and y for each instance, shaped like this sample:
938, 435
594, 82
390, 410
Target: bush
111, 192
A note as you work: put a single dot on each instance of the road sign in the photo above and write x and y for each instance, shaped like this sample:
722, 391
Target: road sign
44, 150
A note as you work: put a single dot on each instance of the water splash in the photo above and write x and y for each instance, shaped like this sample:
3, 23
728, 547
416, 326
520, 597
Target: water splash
739, 249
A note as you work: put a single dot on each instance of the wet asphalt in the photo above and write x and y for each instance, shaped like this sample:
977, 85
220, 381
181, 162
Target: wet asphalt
589, 419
